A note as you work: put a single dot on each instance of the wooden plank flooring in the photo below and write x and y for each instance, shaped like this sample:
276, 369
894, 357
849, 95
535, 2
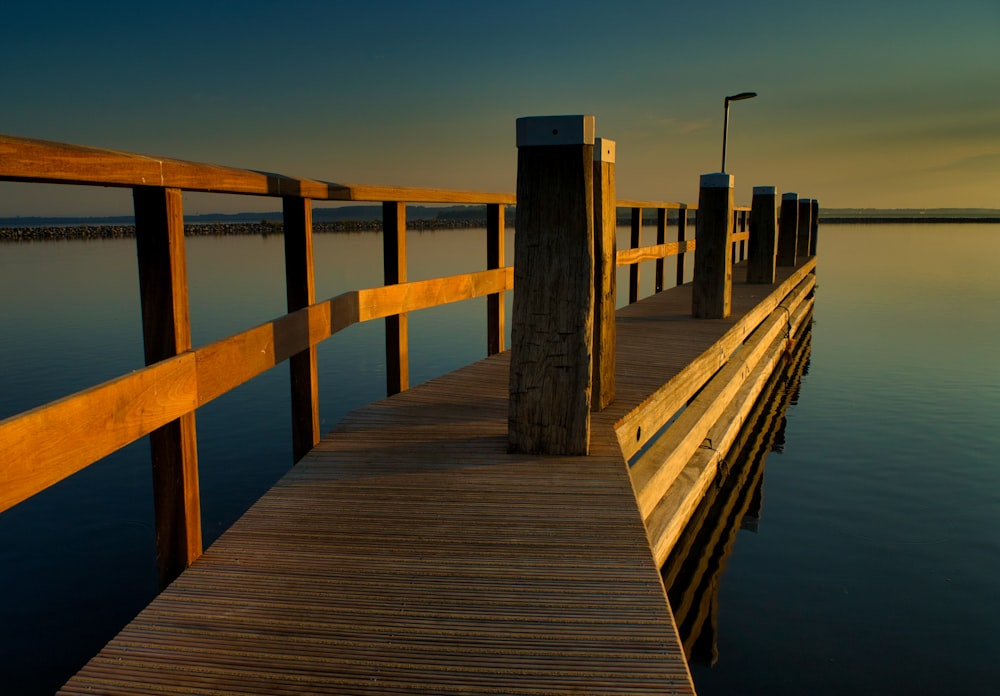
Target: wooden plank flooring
410, 553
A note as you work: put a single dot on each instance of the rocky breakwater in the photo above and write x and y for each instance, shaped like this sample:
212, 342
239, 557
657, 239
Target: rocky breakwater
215, 229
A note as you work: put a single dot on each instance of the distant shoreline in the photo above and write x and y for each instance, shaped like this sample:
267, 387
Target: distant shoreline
216, 229
265, 228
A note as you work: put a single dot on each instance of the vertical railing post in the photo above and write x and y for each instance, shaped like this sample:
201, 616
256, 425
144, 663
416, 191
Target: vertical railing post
682, 218
494, 259
713, 269
788, 225
814, 226
661, 238
397, 349
735, 246
805, 225
605, 222
300, 291
635, 241
762, 245
166, 331
553, 313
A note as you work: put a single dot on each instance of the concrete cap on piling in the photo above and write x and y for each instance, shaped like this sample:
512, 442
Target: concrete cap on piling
604, 150
764, 190
717, 180
534, 131
789, 196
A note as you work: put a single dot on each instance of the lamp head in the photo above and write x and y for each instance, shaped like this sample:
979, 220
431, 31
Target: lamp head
741, 95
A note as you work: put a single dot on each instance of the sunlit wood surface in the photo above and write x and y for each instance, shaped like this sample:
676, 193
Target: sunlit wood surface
409, 552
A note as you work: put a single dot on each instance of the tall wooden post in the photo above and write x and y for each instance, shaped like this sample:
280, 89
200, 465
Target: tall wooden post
661, 238
682, 218
635, 241
805, 225
788, 226
300, 291
814, 226
605, 222
713, 267
763, 236
494, 259
166, 332
397, 344
553, 313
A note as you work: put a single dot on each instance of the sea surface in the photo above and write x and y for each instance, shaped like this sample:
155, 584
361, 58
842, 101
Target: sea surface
863, 559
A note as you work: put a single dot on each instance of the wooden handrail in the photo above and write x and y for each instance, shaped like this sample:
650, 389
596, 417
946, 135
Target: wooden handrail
45, 445
41, 161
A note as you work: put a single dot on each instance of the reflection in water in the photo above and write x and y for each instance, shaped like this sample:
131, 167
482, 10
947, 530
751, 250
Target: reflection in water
694, 568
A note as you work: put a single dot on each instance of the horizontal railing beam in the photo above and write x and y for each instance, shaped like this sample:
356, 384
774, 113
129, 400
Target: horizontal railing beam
49, 443
41, 161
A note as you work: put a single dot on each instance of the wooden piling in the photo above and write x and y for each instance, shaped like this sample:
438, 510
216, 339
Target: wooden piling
713, 268
788, 225
553, 313
605, 222
495, 259
682, 217
300, 290
762, 246
397, 344
804, 225
166, 331
814, 226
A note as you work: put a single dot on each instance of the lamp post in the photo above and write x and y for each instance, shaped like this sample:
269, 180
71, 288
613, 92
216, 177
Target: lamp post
725, 124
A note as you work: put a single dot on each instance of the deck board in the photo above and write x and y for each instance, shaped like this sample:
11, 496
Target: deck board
409, 552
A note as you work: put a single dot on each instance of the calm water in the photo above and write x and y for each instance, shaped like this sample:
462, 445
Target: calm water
872, 568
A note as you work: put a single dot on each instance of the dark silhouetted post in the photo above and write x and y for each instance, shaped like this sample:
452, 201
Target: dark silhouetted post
397, 342
713, 267
762, 247
300, 291
166, 332
494, 259
682, 218
814, 226
788, 225
805, 225
553, 313
605, 222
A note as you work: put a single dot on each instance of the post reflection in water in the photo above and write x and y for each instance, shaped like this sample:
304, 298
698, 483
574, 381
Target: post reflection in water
694, 567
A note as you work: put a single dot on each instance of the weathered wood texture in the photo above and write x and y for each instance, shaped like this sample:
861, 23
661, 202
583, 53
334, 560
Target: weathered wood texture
495, 315
763, 243
467, 569
553, 313
605, 264
397, 340
788, 230
300, 287
804, 227
166, 330
713, 269
661, 238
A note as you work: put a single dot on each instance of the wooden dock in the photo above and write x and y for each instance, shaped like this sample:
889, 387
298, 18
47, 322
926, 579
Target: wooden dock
411, 549
409, 552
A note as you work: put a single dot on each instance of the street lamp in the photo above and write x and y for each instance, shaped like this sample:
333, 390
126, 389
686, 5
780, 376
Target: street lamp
725, 124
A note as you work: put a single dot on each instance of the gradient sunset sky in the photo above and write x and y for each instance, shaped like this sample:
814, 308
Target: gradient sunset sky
863, 103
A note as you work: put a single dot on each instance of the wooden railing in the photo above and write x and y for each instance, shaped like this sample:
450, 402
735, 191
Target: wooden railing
636, 253
45, 445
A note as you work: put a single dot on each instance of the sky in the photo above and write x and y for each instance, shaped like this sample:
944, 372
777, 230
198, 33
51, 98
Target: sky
862, 103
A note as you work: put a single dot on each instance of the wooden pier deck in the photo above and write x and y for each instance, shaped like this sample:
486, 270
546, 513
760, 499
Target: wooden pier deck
409, 552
